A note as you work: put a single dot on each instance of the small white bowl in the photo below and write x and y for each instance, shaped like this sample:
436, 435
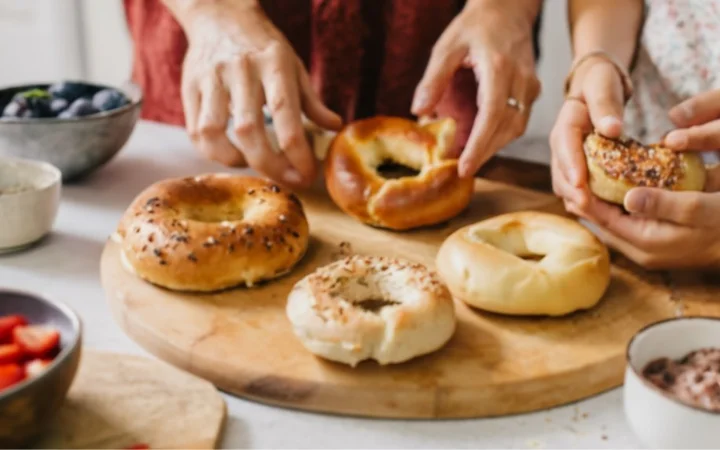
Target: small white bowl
29, 201
659, 420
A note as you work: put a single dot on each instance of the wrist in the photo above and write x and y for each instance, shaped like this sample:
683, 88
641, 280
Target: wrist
529, 10
190, 12
585, 62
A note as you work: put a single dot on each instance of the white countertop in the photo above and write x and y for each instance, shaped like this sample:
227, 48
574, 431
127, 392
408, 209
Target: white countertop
65, 266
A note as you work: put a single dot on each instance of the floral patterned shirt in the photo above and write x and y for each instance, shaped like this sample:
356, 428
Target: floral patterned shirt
679, 57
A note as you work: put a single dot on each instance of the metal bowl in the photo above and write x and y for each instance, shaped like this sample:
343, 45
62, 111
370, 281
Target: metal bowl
28, 407
76, 146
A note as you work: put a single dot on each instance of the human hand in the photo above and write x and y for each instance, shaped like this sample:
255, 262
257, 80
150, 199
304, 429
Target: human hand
664, 229
494, 38
236, 62
595, 101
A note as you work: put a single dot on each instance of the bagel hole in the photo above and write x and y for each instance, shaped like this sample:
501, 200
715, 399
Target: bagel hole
374, 305
390, 169
531, 257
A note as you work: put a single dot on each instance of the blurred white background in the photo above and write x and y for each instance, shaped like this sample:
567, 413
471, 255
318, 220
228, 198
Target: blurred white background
45, 40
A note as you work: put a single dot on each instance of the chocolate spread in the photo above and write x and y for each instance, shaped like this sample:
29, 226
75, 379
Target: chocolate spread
693, 380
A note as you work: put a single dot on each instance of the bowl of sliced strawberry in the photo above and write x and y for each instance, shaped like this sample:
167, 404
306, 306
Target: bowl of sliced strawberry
40, 345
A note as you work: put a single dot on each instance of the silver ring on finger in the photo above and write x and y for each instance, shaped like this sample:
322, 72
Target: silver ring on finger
515, 103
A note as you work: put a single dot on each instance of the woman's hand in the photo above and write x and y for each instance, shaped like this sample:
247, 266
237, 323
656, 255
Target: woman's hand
667, 229
494, 37
595, 101
238, 61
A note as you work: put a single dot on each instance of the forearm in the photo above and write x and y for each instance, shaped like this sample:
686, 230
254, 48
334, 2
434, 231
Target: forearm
611, 26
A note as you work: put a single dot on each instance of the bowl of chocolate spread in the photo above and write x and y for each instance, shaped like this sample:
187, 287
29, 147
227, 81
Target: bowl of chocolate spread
672, 384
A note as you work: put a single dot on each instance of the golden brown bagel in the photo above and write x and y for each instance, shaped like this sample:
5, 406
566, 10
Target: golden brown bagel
435, 195
365, 307
492, 265
617, 165
213, 232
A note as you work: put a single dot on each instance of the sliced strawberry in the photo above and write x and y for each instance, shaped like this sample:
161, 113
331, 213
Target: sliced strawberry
10, 353
37, 341
10, 374
36, 367
138, 447
7, 325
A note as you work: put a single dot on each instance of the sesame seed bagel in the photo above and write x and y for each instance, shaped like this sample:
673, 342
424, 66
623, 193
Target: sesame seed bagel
617, 165
213, 232
378, 308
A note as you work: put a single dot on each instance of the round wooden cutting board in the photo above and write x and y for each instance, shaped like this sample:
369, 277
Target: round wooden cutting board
494, 365
118, 401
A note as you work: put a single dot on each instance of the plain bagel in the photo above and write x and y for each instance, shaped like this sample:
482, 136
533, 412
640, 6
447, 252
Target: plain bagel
435, 195
377, 308
617, 165
525, 263
213, 232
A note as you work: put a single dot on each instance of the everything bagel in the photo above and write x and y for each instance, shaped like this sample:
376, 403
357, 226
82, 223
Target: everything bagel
617, 165
213, 232
435, 195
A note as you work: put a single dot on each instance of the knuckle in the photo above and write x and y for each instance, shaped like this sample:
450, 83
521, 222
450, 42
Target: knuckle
293, 139
276, 102
242, 61
501, 62
244, 125
692, 209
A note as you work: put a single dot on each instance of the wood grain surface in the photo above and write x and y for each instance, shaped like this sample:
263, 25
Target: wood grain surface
118, 401
494, 365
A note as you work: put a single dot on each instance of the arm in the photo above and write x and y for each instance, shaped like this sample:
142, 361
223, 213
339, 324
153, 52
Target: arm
612, 26
596, 91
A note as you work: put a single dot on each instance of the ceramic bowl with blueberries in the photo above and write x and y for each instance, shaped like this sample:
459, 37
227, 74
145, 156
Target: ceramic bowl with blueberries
75, 126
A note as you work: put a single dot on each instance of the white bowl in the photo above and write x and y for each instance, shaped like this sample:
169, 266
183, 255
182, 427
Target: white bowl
29, 201
659, 420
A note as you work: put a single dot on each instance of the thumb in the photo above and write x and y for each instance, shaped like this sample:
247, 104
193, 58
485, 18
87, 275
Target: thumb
603, 92
444, 62
693, 209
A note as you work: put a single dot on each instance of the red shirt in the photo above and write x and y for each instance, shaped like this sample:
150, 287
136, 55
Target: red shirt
364, 57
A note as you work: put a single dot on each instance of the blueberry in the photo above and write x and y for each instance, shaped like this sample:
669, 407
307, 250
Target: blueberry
79, 108
69, 91
58, 105
109, 99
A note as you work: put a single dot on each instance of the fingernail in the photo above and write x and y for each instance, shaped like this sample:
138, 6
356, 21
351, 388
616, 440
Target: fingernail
681, 113
574, 178
636, 202
609, 123
676, 139
292, 177
420, 101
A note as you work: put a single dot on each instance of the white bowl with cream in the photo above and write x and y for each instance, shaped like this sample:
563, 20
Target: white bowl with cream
29, 201
657, 418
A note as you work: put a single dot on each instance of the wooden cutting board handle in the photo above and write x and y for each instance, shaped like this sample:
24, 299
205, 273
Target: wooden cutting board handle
117, 401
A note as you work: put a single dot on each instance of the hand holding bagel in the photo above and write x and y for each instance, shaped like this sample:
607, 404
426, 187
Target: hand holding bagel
671, 229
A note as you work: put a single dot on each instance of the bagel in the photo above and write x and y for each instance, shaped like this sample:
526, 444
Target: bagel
617, 165
360, 308
489, 265
434, 195
213, 232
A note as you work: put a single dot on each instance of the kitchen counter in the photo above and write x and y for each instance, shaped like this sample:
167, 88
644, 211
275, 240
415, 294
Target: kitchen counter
65, 266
